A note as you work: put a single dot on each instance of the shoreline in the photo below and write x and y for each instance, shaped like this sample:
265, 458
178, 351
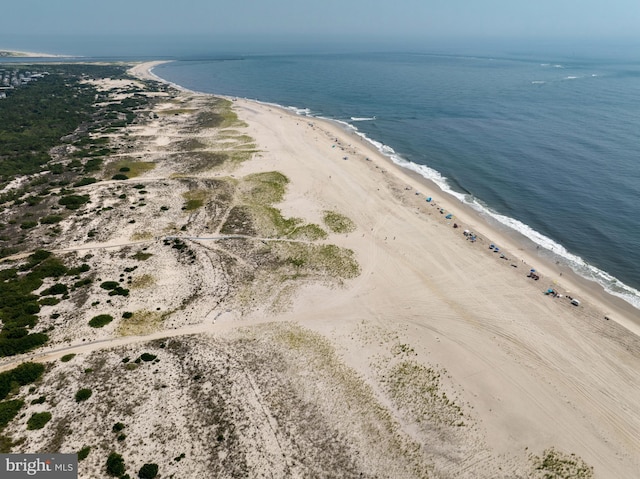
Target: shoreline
562, 277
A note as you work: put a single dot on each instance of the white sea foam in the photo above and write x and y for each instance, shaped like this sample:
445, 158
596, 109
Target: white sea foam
570, 78
357, 118
299, 111
538, 82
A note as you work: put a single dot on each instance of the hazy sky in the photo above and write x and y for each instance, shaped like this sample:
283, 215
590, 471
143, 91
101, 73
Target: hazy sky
326, 17
253, 26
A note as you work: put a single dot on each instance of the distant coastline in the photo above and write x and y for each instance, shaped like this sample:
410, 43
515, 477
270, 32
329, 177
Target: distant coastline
21, 54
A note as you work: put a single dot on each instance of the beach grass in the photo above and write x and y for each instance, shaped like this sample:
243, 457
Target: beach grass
141, 322
130, 168
338, 223
195, 199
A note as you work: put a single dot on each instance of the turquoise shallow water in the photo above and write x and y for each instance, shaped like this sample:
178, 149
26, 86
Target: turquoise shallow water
548, 147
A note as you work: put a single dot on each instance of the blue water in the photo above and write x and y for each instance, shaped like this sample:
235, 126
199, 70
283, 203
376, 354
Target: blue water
546, 146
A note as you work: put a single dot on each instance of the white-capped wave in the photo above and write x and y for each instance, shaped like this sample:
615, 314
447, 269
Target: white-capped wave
362, 118
299, 111
611, 284
538, 82
570, 78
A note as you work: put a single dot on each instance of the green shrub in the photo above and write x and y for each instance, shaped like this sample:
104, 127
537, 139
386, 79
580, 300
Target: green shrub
83, 394
83, 453
115, 465
49, 301
148, 471
117, 427
120, 176
73, 202
58, 288
127, 314
51, 219
38, 420
100, 320
24, 374
85, 181
67, 357
119, 291
147, 357
27, 225
9, 410
109, 285
40, 400
82, 282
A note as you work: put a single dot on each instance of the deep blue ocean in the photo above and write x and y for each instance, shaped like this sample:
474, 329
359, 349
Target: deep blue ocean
548, 147
543, 140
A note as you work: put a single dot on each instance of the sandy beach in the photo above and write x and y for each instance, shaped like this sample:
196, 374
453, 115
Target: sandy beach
537, 371
518, 372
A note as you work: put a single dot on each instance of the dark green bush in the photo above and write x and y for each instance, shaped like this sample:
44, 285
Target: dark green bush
67, 357
119, 291
38, 420
100, 320
148, 357
83, 394
58, 288
82, 282
83, 453
115, 465
24, 374
120, 176
109, 285
148, 471
51, 219
49, 301
9, 410
73, 202
117, 427
85, 181
40, 400
26, 225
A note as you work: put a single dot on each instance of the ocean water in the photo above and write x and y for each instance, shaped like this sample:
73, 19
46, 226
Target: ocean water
546, 146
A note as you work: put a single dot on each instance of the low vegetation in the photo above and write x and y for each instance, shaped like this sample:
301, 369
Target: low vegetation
38, 420
338, 223
100, 320
554, 464
83, 394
